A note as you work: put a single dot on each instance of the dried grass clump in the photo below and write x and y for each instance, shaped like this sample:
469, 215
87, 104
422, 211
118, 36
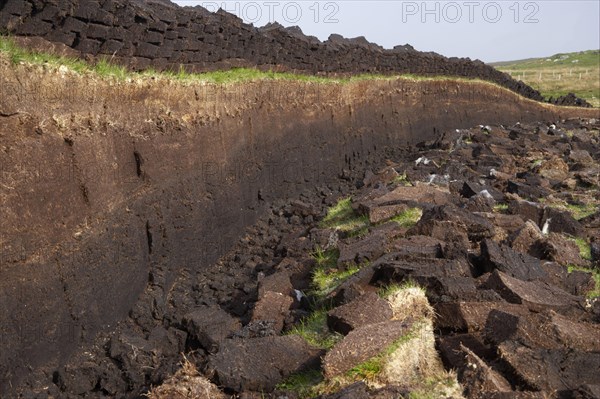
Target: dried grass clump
409, 302
187, 383
415, 362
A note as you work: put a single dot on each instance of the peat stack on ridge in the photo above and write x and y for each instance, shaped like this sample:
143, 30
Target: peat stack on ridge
162, 35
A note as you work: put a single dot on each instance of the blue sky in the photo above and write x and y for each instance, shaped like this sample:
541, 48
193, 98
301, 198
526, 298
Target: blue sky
485, 30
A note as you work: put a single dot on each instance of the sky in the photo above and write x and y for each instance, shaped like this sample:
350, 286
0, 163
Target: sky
479, 29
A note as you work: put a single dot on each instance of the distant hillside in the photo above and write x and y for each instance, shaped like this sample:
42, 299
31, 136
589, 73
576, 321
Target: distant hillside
589, 59
559, 74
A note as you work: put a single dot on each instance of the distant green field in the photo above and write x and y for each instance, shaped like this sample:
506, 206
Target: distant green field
559, 74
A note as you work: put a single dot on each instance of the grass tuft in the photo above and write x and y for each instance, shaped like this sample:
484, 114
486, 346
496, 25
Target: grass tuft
501, 208
408, 301
326, 259
302, 384
325, 281
387, 291
342, 217
581, 211
408, 218
442, 385
402, 180
578, 211
326, 276
585, 249
105, 68
187, 382
315, 331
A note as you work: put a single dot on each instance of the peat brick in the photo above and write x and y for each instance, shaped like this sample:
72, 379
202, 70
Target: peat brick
210, 325
259, 364
535, 295
551, 370
503, 258
362, 344
367, 309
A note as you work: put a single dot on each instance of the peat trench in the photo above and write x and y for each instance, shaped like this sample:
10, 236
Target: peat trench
504, 242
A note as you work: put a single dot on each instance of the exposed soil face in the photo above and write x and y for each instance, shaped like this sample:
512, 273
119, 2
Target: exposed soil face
117, 195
